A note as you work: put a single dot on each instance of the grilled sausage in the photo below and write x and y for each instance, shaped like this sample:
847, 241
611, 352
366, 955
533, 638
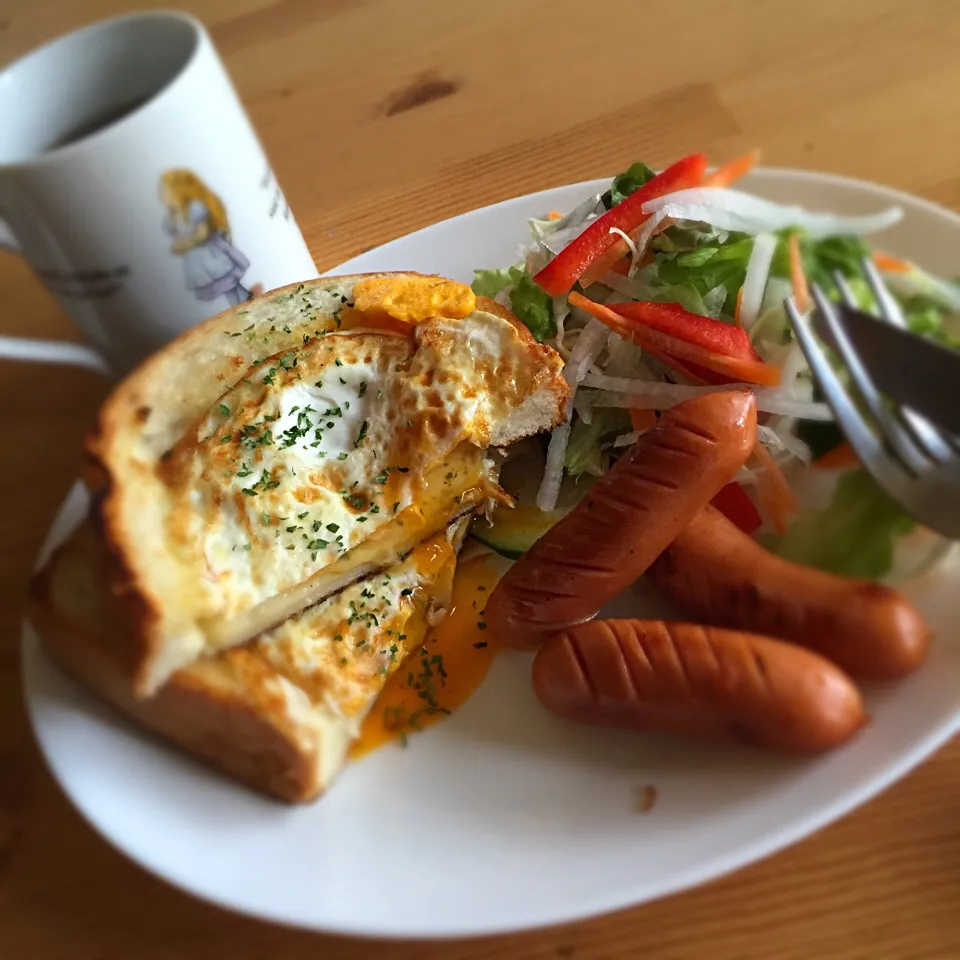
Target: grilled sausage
682, 678
626, 519
717, 574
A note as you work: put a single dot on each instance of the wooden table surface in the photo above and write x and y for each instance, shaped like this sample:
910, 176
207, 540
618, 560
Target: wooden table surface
382, 117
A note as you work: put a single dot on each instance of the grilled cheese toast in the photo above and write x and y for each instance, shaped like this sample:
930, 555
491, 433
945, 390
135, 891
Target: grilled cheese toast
293, 445
279, 713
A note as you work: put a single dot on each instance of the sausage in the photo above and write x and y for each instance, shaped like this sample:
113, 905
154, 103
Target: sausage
626, 519
650, 675
717, 574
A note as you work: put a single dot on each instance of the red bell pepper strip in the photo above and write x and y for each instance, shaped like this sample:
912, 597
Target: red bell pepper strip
568, 266
671, 318
732, 501
733, 368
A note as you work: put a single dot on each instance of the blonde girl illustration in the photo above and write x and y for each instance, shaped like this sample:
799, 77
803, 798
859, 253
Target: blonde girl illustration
197, 220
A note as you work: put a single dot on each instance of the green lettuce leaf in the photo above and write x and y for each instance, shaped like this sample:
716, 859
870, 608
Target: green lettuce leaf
634, 177
488, 283
821, 257
689, 235
583, 449
528, 301
533, 306
928, 319
708, 267
855, 536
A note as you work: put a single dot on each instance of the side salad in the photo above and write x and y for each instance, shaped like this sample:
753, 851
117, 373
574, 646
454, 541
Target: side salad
671, 284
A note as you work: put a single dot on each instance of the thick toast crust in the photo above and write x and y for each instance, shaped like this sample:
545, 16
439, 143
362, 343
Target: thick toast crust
201, 709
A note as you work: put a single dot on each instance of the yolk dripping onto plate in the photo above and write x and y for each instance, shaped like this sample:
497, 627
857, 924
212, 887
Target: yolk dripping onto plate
439, 676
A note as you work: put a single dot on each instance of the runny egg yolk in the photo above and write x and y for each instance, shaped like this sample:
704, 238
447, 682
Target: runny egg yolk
439, 676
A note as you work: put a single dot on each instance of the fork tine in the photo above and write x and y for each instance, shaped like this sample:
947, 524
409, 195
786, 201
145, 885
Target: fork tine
886, 303
922, 499
864, 441
846, 293
935, 442
894, 431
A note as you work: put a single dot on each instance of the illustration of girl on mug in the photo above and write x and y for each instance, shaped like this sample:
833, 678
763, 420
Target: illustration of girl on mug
197, 220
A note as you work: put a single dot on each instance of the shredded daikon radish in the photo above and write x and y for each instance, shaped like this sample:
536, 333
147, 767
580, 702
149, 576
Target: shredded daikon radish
634, 256
583, 405
755, 282
644, 237
561, 310
776, 400
631, 385
784, 441
673, 393
553, 468
591, 341
734, 210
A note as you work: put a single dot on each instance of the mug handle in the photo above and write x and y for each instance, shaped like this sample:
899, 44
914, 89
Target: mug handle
46, 351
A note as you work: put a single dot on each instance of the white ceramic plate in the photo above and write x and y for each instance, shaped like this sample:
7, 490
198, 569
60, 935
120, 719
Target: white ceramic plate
502, 817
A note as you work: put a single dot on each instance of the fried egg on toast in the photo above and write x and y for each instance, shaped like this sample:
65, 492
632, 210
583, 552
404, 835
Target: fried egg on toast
279, 713
294, 445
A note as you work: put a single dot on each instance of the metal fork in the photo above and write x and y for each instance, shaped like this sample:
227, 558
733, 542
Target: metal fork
912, 460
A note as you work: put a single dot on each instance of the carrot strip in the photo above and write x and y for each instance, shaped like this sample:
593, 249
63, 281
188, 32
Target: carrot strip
775, 493
736, 312
736, 369
642, 419
554, 215
839, 458
801, 292
884, 261
728, 173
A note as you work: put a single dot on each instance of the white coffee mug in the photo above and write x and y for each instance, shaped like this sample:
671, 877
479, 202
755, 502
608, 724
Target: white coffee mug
134, 185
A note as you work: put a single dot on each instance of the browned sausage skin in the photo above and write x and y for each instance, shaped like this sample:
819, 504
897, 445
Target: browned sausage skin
702, 681
717, 574
626, 519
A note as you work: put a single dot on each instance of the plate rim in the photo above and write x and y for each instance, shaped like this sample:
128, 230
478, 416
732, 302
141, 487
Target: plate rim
540, 917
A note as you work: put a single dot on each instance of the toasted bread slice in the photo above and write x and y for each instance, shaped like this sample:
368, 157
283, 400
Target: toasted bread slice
292, 445
279, 713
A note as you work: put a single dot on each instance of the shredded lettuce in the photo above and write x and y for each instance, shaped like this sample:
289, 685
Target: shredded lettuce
488, 283
928, 319
822, 257
634, 177
584, 449
533, 307
708, 267
689, 235
855, 536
